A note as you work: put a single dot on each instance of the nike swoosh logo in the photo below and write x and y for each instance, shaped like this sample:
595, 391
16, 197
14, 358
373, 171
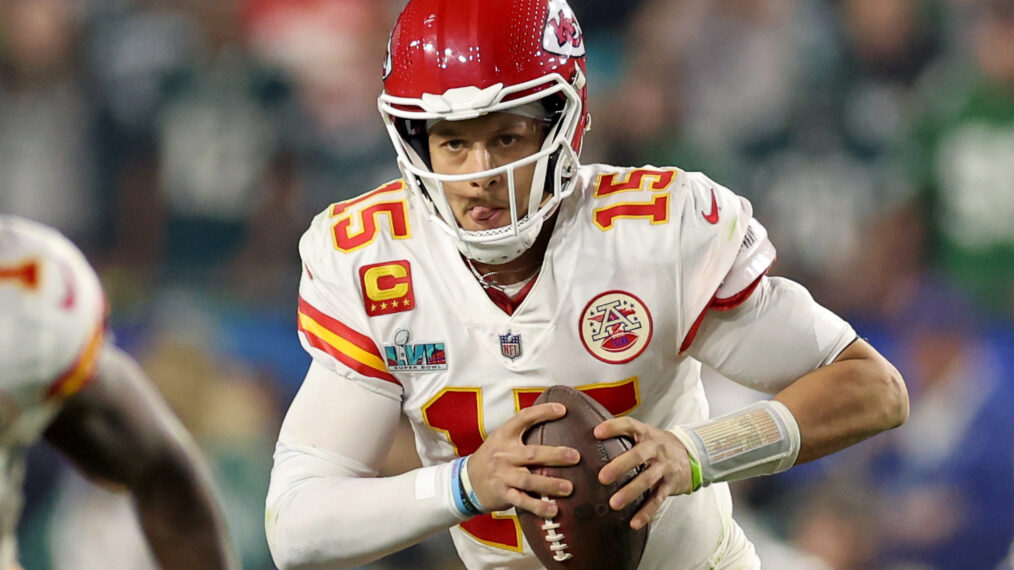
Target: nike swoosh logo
712, 218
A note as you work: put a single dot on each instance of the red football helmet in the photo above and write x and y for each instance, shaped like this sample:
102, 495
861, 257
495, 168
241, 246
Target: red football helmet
460, 59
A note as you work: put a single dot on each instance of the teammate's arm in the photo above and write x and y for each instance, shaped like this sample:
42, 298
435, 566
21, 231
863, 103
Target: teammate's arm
118, 430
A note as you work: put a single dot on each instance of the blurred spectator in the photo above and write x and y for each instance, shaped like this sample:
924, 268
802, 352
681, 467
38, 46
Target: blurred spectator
219, 150
835, 523
720, 72
960, 160
946, 480
333, 51
886, 45
47, 125
826, 190
231, 406
202, 171
939, 492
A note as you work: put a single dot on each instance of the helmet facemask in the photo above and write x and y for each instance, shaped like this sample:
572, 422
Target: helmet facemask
556, 162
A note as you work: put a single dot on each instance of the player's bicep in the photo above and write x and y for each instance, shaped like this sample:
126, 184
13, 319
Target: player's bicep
773, 337
332, 413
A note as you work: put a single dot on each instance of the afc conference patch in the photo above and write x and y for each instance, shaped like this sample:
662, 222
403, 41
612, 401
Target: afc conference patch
615, 327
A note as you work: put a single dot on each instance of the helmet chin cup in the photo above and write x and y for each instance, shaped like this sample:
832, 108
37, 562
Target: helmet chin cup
492, 249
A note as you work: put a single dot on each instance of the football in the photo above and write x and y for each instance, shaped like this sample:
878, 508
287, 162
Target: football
586, 532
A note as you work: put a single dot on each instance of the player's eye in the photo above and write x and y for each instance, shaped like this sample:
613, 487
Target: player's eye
507, 139
453, 144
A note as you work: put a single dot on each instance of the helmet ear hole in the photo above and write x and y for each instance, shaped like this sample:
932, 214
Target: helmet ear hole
554, 106
413, 131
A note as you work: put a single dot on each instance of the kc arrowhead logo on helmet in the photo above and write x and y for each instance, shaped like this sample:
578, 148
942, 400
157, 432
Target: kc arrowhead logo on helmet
388, 63
563, 35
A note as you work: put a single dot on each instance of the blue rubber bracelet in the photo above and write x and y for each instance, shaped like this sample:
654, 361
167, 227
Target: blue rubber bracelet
459, 502
466, 484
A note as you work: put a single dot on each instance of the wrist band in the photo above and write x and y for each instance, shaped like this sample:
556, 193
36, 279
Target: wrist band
760, 439
695, 474
461, 500
466, 484
456, 486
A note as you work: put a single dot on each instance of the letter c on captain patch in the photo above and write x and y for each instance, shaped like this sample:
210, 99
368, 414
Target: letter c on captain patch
387, 287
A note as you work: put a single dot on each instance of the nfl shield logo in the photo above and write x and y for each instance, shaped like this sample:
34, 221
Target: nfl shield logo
510, 345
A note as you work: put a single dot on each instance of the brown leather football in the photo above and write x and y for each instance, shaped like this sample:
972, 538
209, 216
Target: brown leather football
586, 533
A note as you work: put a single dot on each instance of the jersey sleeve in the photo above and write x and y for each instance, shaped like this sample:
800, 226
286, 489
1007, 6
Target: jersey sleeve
331, 322
775, 336
754, 258
722, 250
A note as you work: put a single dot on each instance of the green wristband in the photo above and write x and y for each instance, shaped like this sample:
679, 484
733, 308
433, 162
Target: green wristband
695, 474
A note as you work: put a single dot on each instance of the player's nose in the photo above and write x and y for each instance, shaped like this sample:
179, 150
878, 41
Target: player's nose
480, 160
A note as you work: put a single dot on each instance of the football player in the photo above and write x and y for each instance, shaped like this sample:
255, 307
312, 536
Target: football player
500, 266
63, 380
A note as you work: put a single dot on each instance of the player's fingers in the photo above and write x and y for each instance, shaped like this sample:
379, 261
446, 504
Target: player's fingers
545, 508
615, 427
554, 456
532, 415
647, 512
636, 487
624, 462
540, 484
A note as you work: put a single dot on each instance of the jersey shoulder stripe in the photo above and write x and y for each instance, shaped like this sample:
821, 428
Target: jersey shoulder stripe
348, 346
81, 373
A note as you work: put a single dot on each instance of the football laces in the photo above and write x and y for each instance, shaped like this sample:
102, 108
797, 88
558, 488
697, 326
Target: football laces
555, 539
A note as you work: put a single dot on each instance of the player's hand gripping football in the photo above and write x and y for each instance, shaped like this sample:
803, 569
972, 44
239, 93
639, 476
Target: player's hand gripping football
499, 469
667, 466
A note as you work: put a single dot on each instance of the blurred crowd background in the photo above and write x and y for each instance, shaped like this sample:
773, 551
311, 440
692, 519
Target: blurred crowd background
185, 145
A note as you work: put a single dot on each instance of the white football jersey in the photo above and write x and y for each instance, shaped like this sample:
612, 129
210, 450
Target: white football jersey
52, 316
636, 256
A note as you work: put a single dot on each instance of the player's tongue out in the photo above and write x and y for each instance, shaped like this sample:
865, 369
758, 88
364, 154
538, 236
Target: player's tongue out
488, 217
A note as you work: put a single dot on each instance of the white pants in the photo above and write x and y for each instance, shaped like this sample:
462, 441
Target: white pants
697, 532
736, 552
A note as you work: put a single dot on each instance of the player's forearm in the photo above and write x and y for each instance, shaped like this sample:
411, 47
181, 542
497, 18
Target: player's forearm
857, 396
180, 517
323, 512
